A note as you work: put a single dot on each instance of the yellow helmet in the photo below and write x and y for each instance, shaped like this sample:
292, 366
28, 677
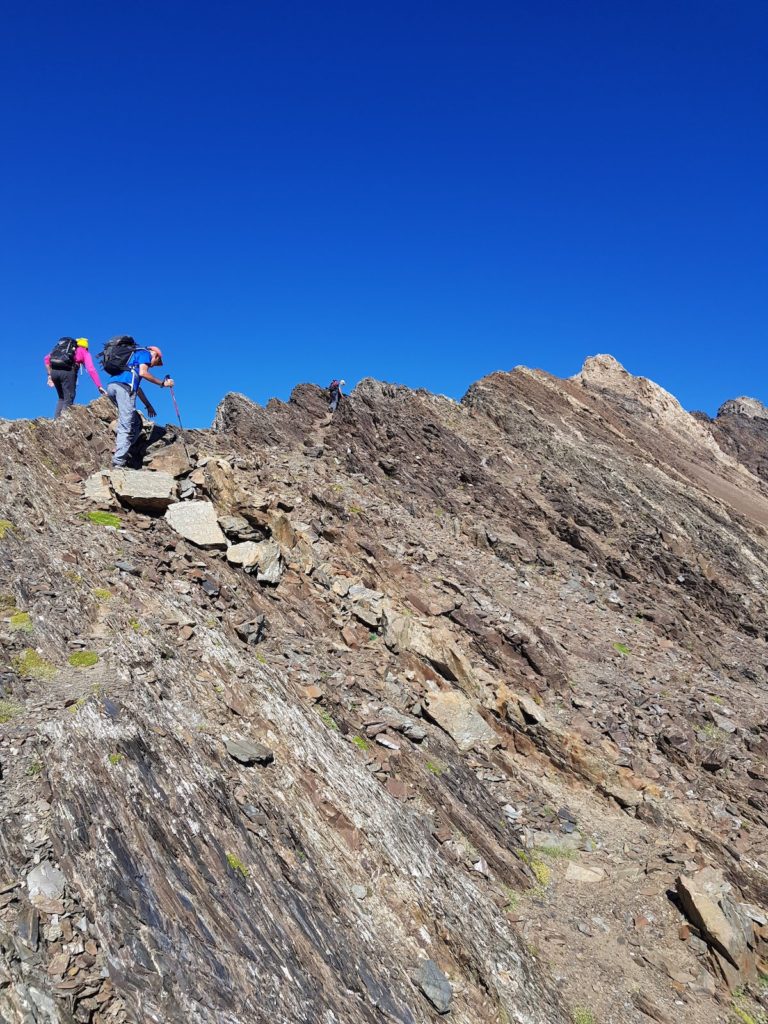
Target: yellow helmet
82, 342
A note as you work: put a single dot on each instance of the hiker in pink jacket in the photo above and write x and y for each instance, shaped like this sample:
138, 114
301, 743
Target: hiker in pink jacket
63, 364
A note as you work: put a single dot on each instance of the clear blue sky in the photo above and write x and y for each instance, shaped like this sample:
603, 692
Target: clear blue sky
276, 192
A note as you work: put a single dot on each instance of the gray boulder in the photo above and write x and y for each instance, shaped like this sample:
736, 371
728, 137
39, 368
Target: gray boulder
456, 716
249, 752
143, 489
263, 558
196, 522
435, 986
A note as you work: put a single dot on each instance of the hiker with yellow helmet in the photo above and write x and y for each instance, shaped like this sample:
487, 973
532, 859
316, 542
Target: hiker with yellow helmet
63, 363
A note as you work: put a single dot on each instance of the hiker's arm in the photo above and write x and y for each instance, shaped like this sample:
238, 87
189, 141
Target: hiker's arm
47, 362
147, 405
90, 369
146, 375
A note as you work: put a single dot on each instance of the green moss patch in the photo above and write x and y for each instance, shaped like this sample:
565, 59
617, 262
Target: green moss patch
7, 602
621, 648
116, 758
21, 622
361, 743
327, 719
5, 526
582, 1016
101, 594
8, 710
541, 872
237, 865
83, 659
30, 663
104, 518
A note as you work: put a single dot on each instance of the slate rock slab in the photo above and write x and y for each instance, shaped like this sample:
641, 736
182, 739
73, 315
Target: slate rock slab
253, 631
245, 554
143, 489
196, 521
705, 898
456, 716
263, 558
587, 873
271, 565
249, 752
238, 529
45, 882
98, 490
172, 460
435, 986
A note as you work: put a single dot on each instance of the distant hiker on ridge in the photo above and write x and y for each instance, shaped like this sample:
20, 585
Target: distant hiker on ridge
63, 363
129, 366
334, 392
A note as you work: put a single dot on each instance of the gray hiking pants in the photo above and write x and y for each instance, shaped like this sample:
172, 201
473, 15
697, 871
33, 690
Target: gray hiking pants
65, 382
128, 421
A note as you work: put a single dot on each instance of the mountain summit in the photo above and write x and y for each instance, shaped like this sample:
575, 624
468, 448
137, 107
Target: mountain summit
429, 708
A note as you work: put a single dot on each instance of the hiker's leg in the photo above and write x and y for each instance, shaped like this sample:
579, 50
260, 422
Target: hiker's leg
68, 387
134, 457
126, 427
65, 382
59, 391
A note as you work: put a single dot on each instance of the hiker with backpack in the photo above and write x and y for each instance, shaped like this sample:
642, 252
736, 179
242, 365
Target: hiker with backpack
63, 363
129, 368
335, 395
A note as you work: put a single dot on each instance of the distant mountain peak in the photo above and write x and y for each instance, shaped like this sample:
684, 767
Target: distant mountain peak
743, 406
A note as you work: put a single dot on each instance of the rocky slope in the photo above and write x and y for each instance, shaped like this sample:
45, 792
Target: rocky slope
430, 709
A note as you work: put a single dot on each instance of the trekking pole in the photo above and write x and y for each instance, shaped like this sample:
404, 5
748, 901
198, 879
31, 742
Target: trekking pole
178, 417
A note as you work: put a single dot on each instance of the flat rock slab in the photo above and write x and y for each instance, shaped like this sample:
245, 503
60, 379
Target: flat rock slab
143, 489
45, 882
172, 460
435, 986
253, 630
431, 602
587, 873
435, 643
456, 716
366, 604
705, 898
237, 528
532, 713
196, 521
262, 557
98, 490
271, 565
249, 752
245, 554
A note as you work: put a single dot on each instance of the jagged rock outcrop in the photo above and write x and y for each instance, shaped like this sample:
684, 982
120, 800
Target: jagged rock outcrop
483, 735
743, 407
741, 430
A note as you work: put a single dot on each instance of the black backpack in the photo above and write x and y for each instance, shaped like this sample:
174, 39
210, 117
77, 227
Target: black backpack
62, 356
116, 353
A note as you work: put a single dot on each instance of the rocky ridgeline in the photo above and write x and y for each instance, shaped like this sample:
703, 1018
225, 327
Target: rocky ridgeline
430, 709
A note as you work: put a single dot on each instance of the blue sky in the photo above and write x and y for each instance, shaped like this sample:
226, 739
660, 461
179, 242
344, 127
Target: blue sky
280, 192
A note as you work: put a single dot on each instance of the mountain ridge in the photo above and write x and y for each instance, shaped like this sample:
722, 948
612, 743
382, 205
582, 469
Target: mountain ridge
429, 707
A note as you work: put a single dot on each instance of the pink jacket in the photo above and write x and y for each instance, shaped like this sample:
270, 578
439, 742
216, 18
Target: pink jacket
82, 358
